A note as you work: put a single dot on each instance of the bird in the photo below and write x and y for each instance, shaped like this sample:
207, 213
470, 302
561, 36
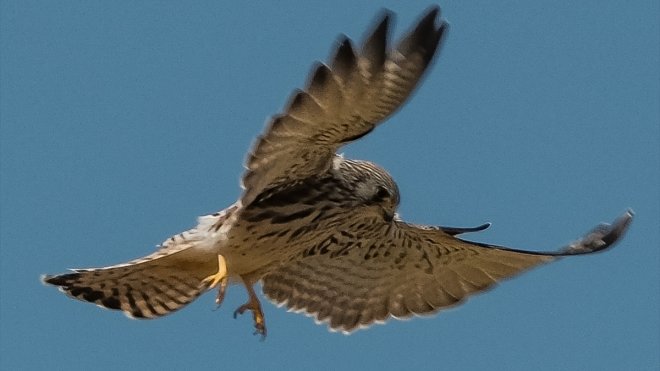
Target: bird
320, 232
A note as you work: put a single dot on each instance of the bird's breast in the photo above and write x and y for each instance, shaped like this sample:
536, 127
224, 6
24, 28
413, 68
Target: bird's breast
266, 237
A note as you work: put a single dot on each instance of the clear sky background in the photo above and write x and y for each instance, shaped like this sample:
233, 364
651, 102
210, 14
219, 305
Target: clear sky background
124, 121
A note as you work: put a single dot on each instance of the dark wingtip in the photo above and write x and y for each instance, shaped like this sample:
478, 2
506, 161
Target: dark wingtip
458, 230
319, 76
374, 47
62, 280
430, 14
600, 238
619, 228
344, 58
384, 17
48, 279
45, 279
426, 36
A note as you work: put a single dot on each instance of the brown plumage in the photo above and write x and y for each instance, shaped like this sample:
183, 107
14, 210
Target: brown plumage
321, 231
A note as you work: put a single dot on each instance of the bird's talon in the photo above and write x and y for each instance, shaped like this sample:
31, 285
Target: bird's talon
260, 328
241, 310
260, 332
257, 315
221, 293
218, 277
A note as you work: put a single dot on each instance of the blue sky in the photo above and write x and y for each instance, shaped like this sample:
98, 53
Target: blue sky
124, 121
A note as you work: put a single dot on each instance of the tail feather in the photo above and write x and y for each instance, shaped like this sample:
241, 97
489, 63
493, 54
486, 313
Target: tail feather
138, 294
155, 285
145, 288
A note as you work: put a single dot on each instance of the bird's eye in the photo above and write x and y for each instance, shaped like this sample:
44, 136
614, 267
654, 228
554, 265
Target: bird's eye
382, 193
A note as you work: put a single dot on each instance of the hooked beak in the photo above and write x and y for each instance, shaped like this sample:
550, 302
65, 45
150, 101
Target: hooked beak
387, 216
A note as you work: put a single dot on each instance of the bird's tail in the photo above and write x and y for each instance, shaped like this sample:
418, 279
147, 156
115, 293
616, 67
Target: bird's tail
147, 288
155, 285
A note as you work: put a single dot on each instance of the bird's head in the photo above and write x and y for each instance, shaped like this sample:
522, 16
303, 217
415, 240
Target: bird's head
373, 186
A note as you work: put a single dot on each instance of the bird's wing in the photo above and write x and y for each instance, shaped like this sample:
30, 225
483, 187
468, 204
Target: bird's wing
342, 102
411, 270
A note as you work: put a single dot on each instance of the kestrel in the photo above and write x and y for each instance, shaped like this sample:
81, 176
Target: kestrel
318, 230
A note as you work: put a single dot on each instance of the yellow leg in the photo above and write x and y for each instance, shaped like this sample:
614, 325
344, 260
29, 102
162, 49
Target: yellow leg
253, 305
218, 278
221, 292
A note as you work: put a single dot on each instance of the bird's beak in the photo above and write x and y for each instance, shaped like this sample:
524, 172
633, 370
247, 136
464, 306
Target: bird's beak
387, 216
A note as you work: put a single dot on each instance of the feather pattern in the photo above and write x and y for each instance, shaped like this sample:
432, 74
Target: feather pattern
404, 270
342, 102
319, 230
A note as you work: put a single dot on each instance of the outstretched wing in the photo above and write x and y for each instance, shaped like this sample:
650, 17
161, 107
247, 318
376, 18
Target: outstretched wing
341, 103
411, 270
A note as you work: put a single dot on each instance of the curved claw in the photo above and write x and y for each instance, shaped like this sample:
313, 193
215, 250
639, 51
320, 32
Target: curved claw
240, 310
221, 292
259, 324
254, 306
260, 330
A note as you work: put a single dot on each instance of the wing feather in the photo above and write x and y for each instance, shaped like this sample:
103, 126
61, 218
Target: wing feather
340, 103
418, 270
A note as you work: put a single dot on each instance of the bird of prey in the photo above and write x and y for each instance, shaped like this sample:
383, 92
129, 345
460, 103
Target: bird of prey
319, 231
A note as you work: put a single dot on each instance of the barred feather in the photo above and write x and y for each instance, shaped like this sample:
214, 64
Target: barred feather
154, 285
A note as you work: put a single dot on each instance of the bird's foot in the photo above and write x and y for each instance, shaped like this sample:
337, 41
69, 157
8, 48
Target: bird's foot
220, 278
257, 314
